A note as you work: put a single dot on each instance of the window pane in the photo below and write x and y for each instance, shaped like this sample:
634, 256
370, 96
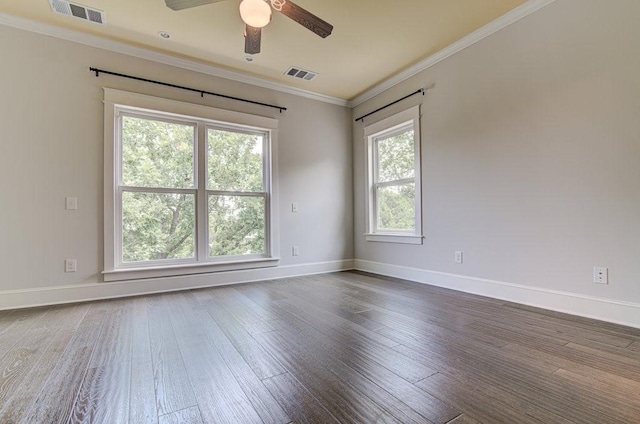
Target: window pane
236, 225
235, 161
396, 207
396, 157
157, 226
157, 154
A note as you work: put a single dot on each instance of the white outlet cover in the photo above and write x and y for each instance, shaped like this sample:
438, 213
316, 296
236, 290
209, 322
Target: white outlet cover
600, 275
70, 265
71, 203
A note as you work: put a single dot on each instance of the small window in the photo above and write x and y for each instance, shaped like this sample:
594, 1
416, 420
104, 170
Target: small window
393, 179
188, 188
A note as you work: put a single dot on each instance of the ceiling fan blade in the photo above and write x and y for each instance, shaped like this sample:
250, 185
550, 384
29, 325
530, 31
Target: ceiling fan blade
252, 38
187, 4
307, 19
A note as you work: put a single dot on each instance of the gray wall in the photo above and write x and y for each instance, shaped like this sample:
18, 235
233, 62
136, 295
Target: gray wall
531, 154
51, 145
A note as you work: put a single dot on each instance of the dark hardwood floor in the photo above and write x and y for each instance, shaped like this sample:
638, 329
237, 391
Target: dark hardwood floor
344, 347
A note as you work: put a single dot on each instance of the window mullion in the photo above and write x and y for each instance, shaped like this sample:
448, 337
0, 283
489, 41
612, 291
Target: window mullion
404, 181
157, 190
236, 193
202, 200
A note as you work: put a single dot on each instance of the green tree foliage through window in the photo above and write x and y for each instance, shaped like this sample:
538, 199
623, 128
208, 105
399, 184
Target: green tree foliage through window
236, 164
396, 157
157, 154
159, 190
395, 184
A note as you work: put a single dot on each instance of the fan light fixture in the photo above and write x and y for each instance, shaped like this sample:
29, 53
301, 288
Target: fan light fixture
255, 13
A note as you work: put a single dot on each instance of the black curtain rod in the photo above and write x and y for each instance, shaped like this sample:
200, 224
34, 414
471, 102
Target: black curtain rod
422, 90
202, 92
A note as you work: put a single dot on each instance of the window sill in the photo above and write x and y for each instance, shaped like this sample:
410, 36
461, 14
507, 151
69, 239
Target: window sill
395, 238
123, 274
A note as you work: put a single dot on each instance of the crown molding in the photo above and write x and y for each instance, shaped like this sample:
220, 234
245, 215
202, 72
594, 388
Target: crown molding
491, 28
141, 53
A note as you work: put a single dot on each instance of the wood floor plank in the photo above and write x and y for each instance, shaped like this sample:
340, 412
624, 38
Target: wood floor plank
464, 419
20, 401
345, 401
114, 344
298, 403
104, 395
512, 380
142, 398
219, 396
20, 322
260, 398
619, 393
186, 416
371, 367
17, 363
252, 322
172, 387
333, 323
141, 343
6, 319
580, 322
262, 364
359, 345
345, 306
487, 407
426, 309
57, 394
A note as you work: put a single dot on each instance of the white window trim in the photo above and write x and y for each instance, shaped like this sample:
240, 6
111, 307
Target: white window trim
371, 132
113, 271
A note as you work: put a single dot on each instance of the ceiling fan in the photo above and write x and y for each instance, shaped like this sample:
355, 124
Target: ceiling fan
256, 14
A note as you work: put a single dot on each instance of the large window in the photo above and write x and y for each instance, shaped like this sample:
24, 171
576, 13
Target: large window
187, 188
393, 179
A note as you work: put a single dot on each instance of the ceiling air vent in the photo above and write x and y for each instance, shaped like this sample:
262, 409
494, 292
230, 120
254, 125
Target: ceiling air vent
295, 72
79, 11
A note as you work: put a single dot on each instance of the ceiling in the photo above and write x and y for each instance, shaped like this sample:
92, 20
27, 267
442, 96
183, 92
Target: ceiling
372, 40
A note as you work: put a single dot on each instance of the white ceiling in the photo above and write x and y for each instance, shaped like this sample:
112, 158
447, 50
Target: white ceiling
372, 40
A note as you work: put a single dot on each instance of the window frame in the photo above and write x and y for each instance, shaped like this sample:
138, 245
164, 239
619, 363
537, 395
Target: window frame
121, 103
383, 129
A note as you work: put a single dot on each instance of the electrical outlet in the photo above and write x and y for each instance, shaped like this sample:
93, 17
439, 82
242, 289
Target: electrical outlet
458, 257
70, 265
600, 275
295, 251
294, 207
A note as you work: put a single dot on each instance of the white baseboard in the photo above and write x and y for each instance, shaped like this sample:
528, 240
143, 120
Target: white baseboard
14, 299
618, 312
